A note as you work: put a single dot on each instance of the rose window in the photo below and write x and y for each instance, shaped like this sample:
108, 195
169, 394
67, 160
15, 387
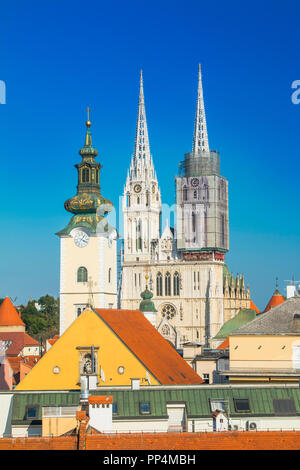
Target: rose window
168, 311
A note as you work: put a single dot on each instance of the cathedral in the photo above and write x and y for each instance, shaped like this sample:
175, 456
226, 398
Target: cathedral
193, 291
181, 268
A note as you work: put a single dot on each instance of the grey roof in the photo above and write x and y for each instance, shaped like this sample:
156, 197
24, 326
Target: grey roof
279, 320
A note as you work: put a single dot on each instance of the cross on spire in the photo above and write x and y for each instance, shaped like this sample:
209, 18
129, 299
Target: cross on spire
200, 141
88, 112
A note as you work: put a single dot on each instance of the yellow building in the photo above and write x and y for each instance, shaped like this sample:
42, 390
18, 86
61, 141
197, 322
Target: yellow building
110, 347
268, 348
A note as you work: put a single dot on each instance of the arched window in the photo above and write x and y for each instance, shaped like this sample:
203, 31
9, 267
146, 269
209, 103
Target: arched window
109, 275
176, 283
159, 284
82, 274
139, 236
184, 195
195, 194
97, 176
168, 284
85, 175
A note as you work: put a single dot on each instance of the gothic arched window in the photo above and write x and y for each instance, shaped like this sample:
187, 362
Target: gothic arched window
85, 175
176, 283
168, 284
82, 274
159, 284
184, 194
139, 236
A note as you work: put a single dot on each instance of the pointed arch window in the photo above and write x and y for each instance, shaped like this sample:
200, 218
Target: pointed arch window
159, 284
139, 236
85, 175
176, 283
184, 196
168, 284
82, 274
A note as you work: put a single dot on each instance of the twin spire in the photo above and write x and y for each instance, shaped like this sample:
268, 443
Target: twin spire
142, 147
200, 141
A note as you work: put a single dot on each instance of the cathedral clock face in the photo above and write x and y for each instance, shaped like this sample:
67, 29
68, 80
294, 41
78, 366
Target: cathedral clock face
137, 188
81, 239
194, 182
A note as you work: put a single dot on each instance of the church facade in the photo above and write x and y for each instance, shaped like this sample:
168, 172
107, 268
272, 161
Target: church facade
193, 291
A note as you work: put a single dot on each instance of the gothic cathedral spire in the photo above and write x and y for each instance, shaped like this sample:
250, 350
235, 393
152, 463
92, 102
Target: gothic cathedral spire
200, 141
142, 200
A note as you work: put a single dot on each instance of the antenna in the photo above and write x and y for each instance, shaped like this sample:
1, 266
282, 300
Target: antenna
292, 281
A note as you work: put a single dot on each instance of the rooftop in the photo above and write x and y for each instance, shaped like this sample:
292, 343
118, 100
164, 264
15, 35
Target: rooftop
280, 320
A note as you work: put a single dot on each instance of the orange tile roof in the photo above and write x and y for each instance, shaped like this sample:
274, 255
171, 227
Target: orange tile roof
100, 399
224, 345
9, 315
53, 340
253, 306
149, 346
275, 300
19, 340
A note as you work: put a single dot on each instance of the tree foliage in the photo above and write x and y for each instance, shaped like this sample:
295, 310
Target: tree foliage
41, 317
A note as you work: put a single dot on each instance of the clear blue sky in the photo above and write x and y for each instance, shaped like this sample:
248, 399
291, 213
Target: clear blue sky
58, 57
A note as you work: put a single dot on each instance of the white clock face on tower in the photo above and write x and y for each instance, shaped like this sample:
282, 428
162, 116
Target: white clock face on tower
81, 239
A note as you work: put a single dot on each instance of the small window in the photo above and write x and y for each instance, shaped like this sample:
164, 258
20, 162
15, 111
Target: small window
284, 406
82, 274
206, 378
241, 405
32, 412
218, 404
114, 409
144, 408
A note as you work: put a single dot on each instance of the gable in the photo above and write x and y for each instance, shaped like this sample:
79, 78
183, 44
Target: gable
86, 331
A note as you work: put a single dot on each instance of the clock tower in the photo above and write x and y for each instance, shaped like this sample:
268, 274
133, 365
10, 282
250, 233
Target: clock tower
88, 252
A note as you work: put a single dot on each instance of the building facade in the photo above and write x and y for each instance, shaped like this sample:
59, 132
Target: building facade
185, 265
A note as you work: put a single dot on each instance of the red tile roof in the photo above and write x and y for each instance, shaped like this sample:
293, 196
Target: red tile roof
53, 340
100, 399
19, 341
9, 315
149, 346
253, 306
275, 300
224, 345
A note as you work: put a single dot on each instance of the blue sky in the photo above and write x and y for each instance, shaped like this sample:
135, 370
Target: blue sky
58, 57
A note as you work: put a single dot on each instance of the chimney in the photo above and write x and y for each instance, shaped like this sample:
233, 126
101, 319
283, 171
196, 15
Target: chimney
296, 323
290, 291
84, 392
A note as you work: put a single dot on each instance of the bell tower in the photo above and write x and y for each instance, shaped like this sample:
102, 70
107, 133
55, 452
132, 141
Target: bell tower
88, 254
141, 197
202, 196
